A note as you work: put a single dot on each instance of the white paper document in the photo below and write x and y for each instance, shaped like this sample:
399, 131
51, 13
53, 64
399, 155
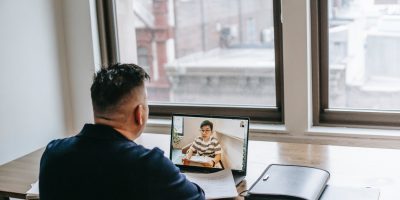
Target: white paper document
33, 193
215, 185
200, 159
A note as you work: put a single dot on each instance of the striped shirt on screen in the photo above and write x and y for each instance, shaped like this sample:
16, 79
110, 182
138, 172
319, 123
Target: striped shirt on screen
206, 148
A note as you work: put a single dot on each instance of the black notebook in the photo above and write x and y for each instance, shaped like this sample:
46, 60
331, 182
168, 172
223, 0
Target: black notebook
294, 182
289, 182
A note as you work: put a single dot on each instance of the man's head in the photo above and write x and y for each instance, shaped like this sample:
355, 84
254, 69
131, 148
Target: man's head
119, 97
206, 128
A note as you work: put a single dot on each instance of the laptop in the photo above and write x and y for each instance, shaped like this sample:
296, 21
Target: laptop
207, 144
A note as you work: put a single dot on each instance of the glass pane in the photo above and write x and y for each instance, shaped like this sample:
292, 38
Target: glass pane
207, 51
364, 46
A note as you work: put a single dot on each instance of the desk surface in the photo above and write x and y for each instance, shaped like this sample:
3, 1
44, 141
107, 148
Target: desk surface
17, 176
349, 166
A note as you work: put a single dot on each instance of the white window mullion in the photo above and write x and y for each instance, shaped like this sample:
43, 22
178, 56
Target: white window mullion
297, 66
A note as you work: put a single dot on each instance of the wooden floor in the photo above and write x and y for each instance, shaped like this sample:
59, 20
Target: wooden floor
348, 166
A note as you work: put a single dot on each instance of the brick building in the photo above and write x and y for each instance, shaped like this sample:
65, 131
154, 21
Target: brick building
171, 32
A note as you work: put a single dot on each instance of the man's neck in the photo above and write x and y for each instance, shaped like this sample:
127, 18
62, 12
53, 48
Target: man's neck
206, 139
118, 126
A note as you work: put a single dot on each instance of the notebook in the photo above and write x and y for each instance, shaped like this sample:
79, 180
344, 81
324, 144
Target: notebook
207, 144
296, 182
289, 182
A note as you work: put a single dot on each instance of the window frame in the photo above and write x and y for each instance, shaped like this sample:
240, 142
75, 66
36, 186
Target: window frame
108, 32
106, 15
322, 114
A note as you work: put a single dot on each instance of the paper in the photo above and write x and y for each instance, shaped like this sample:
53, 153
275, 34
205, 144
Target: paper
201, 159
33, 193
215, 185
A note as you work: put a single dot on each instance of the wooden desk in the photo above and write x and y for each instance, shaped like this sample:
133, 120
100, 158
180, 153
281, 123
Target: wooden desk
349, 166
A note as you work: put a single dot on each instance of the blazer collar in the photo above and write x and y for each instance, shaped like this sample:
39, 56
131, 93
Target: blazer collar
100, 131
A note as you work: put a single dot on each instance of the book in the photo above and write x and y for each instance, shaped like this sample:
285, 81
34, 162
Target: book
200, 159
295, 182
289, 182
33, 193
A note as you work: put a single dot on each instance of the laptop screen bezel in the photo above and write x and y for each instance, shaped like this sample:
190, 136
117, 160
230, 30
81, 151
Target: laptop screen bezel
208, 169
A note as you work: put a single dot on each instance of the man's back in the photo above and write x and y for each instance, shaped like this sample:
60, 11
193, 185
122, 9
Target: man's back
100, 163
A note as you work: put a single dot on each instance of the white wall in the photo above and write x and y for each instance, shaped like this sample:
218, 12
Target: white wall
230, 128
82, 55
232, 154
191, 128
31, 87
47, 59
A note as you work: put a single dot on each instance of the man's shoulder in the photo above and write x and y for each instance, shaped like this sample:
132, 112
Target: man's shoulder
213, 138
123, 147
59, 144
148, 155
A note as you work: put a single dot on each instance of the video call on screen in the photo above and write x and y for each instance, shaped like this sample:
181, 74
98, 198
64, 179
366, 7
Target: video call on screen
227, 138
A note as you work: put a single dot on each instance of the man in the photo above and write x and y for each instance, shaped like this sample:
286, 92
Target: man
205, 145
102, 161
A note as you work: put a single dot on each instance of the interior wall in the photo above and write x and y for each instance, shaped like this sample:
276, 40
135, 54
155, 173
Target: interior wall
231, 128
83, 57
48, 54
232, 151
32, 77
191, 128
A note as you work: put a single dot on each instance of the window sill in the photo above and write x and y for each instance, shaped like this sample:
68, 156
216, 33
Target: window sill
153, 125
365, 133
256, 128
341, 136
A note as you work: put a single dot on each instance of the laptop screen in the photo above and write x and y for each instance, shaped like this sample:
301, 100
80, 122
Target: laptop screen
209, 142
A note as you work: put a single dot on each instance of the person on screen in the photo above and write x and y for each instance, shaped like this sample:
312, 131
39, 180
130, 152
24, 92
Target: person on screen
205, 145
103, 161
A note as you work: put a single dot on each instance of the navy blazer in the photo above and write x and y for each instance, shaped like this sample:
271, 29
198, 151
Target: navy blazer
100, 163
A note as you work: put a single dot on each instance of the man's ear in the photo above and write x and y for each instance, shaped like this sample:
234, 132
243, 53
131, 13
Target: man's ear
139, 111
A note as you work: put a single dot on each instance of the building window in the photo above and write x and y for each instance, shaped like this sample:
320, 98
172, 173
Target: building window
143, 59
210, 56
356, 62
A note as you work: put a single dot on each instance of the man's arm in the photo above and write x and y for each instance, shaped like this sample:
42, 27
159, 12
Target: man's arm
189, 154
166, 181
43, 176
47, 188
218, 151
216, 159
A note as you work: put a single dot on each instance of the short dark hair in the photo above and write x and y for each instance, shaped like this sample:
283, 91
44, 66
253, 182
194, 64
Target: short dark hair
207, 123
111, 85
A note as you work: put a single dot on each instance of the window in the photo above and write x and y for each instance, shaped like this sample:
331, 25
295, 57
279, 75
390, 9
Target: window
356, 64
178, 125
207, 56
143, 58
